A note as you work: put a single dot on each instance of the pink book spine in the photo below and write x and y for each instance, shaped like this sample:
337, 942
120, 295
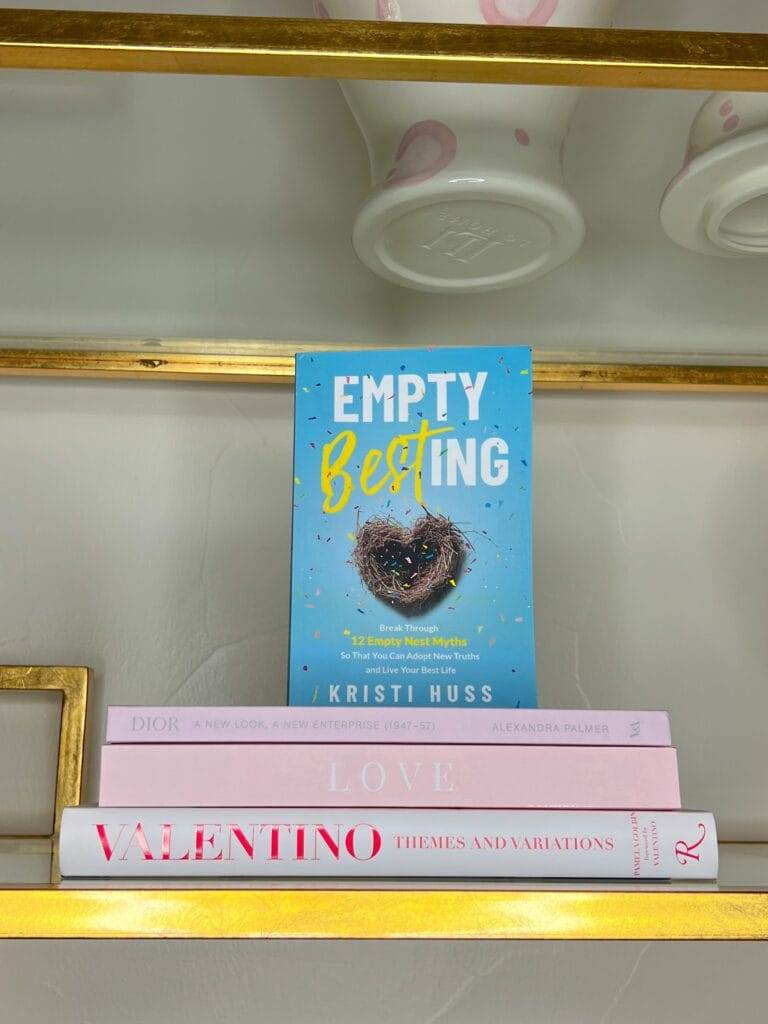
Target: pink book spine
386, 725
369, 775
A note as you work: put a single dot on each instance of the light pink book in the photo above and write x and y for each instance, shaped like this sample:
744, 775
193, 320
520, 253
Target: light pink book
386, 725
371, 775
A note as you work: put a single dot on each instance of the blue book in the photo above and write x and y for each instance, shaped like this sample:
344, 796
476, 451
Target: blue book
411, 571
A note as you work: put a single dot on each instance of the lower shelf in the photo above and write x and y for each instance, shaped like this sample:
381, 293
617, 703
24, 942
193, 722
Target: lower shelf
732, 909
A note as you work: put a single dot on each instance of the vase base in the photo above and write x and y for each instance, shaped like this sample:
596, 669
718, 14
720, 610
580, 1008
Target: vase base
718, 204
464, 239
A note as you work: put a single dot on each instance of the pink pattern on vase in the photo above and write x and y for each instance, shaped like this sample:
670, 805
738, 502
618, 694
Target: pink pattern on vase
691, 153
388, 10
518, 12
522, 136
425, 149
731, 119
321, 10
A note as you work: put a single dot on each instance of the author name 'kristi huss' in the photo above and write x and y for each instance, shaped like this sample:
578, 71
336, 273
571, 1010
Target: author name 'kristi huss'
411, 575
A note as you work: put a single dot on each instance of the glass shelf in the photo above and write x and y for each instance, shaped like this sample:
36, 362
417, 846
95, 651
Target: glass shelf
31, 907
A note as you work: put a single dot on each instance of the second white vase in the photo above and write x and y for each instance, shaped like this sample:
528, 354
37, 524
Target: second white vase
468, 191
718, 202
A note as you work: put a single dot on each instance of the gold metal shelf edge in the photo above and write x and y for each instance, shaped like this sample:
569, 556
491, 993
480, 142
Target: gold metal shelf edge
334, 914
262, 368
204, 44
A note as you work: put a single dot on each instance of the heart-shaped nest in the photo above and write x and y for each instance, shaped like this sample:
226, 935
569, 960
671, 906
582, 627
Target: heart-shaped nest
410, 569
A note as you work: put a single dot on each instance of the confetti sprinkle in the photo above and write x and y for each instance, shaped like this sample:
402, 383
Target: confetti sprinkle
305, 668
524, 373
519, 619
491, 641
351, 536
347, 632
297, 481
316, 634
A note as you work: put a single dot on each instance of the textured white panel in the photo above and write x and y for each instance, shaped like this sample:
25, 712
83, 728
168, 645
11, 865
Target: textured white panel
147, 535
376, 982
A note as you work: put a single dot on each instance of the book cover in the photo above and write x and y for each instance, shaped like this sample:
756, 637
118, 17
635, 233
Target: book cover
177, 843
411, 569
386, 725
387, 775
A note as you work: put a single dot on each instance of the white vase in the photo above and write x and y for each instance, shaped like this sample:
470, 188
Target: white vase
468, 190
718, 202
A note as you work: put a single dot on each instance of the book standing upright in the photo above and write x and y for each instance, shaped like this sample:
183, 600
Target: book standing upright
411, 573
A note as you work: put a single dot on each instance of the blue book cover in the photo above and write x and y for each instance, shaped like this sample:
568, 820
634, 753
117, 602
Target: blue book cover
411, 570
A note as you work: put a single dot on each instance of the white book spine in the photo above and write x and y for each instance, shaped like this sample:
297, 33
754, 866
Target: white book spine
355, 843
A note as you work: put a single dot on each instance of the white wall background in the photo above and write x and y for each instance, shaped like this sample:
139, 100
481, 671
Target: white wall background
405, 982
144, 528
146, 533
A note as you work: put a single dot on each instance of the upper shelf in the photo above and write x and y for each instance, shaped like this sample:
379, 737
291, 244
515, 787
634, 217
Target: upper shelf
162, 206
195, 44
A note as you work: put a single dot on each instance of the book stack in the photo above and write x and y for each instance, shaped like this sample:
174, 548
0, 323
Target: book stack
413, 745
412, 792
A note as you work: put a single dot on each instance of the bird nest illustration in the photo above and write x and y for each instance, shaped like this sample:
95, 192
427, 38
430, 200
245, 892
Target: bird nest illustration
410, 569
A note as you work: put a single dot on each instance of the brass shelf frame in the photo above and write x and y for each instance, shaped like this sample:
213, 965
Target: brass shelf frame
273, 364
77, 913
190, 44
205, 44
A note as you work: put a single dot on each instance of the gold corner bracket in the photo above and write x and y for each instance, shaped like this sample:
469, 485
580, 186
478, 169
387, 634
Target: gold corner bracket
72, 683
206, 44
273, 363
